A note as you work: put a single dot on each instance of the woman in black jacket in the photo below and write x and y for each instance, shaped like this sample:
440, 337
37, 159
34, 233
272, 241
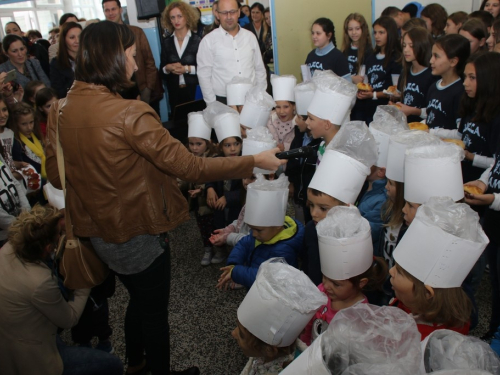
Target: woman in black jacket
62, 73
178, 53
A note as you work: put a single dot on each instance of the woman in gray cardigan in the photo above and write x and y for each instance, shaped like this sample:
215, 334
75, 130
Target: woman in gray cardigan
26, 69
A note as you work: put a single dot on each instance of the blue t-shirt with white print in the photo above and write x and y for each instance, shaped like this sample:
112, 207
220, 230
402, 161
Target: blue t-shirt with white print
415, 90
333, 60
443, 103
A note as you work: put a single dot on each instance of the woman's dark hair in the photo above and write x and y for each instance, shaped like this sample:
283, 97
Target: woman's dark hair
485, 105
438, 16
9, 39
63, 56
41, 98
495, 27
101, 57
412, 23
483, 4
455, 45
486, 17
32, 231
477, 29
390, 12
65, 17
422, 42
33, 34
30, 90
258, 5
458, 17
327, 26
15, 23
392, 49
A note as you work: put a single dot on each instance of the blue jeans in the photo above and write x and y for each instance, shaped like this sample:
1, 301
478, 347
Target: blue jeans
146, 320
87, 361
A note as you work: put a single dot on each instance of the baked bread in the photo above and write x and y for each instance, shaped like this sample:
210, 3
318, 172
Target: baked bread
417, 126
392, 90
458, 142
364, 86
471, 189
397, 105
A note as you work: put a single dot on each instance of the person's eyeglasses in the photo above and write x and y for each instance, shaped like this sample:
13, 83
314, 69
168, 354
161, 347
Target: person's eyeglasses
229, 12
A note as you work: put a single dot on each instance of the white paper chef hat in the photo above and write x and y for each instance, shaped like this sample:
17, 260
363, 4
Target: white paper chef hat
225, 120
334, 97
258, 140
257, 108
266, 202
280, 303
398, 144
442, 243
197, 126
345, 243
237, 89
386, 122
449, 350
366, 334
304, 93
433, 171
283, 87
346, 162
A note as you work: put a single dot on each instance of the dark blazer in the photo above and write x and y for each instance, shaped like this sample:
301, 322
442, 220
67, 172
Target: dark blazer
260, 37
61, 78
169, 55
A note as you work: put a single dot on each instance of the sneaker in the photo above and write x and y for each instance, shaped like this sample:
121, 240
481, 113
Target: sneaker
207, 257
219, 256
105, 346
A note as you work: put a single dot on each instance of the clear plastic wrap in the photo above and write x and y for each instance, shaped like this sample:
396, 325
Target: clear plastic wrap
390, 113
326, 80
305, 86
216, 109
261, 183
376, 369
371, 334
260, 134
457, 219
258, 96
443, 150
461, 372
343, 222
278, 280
449, 350
415, 138
356, 141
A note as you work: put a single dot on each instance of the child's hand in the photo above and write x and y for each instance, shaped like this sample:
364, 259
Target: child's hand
357, 79
211, 197
219, 238
194, 193
479, 200
243, 129
364, 95
225, 277
221, 203
469, 155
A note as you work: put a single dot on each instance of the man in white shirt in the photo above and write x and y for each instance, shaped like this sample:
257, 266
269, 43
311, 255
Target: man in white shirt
227, 52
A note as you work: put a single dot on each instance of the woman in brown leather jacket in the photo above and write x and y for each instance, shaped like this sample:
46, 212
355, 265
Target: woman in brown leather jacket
121, 170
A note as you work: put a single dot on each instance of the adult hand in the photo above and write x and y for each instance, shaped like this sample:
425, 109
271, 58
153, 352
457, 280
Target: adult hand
179, 69
19, 94
171, 67
364, 95
211, 197
221, 203
267, 160
225, 277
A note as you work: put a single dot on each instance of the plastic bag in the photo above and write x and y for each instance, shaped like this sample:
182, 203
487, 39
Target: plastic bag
449, 350
457, 219
326, 80
258, 96
343, 222
415, 138
216, 109
260, 134
376, 369
278, 280
371, 334
356, 141
390, 113
443, 150
261, 183
305, 86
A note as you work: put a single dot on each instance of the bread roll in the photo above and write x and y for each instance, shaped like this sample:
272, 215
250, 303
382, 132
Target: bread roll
417, 126
472, 190
458, 142
364, 86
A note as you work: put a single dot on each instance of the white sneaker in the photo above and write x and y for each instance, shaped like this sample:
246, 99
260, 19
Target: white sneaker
219, 256
207, 257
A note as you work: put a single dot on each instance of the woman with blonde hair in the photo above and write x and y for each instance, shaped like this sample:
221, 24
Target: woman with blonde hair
178, 52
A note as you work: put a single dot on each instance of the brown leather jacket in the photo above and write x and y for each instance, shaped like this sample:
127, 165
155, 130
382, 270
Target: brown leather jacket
121, 165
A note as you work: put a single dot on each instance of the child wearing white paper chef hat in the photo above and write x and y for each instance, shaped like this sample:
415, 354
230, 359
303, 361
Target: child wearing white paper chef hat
257, 108
337, 181
348, 266
330, 106
273, 233
199, 144
273, 313
432, 171
432, 260
449, 350
223, 196
281, 122
363, 335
